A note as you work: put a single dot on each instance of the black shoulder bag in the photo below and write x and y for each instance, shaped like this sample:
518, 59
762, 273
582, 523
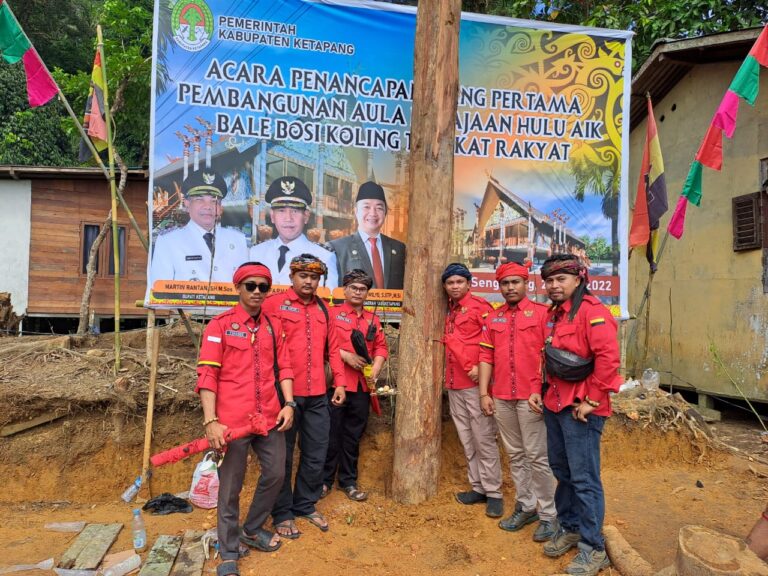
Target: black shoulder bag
564, 364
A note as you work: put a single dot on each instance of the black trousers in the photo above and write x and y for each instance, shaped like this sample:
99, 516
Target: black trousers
348, 424
311, 423
270, 451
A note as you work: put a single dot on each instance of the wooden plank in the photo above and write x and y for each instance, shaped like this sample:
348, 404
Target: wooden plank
161, 557
12, 429
191, 556
91, 535
95, 550
71, 554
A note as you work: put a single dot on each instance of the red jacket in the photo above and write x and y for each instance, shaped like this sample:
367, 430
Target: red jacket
237, 363
346, 319
463, 332
512, 342
592, 333
306, 332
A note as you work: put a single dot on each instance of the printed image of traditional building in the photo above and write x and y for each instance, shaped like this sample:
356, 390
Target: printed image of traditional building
509, 228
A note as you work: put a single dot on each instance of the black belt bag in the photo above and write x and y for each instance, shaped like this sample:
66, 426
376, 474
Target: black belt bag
566, 365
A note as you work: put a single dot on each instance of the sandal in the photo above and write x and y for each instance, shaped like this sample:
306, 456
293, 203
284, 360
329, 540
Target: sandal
261, 540
290, 525
227, 568
317, 520
354, 494
326, 490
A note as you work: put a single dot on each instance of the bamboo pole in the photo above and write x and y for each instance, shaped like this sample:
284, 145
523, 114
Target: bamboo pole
145, 472
113, 192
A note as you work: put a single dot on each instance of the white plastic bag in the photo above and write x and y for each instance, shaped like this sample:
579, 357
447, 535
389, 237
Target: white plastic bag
204, 492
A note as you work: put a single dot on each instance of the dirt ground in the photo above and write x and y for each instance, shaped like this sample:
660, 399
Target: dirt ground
76, 467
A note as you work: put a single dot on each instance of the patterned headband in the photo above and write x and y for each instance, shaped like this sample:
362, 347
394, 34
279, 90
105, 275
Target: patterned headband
571, 266
309, 263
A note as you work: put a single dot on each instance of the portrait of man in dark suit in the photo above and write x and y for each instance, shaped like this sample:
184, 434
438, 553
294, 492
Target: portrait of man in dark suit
382, 257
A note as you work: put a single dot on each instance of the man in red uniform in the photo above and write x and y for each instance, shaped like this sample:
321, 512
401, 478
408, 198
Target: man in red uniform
511, 346
312, 340
581, 364
241, 354
477, 432
349, 420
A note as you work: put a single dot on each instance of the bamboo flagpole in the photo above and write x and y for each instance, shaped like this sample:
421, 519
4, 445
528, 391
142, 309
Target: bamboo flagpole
113, 191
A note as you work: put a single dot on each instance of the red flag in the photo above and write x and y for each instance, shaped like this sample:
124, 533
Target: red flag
760, 48
710, 152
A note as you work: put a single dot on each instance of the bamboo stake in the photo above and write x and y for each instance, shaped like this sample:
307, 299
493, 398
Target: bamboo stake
150, 410
113, 191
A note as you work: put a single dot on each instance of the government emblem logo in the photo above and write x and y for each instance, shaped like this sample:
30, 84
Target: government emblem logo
288, 187
192, 24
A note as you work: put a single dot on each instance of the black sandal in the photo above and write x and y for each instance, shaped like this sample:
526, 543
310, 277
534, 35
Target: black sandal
354, 494
227, 568
261, 540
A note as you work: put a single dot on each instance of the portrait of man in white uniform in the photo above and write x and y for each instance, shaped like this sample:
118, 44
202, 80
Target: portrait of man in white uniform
202, 250
289, 199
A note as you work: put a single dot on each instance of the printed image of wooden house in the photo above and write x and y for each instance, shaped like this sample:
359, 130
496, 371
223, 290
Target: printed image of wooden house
510, 229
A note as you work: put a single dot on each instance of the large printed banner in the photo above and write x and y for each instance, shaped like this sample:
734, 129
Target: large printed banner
281, 128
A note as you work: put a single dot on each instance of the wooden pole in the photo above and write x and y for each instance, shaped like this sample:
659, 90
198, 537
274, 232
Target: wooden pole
150, 409
113, 191
420, 372
151, 333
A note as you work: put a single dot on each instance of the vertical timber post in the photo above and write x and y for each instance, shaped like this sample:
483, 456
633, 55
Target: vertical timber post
433, 118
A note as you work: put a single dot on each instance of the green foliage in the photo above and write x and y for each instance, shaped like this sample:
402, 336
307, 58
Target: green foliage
60, 30
650, 20
127, 29
597, 248
30, 136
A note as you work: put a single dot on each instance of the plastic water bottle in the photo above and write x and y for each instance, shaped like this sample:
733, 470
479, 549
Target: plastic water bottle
132, 490
650, 379
139, 531
121, 568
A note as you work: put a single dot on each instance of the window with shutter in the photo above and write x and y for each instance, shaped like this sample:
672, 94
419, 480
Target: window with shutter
747, 222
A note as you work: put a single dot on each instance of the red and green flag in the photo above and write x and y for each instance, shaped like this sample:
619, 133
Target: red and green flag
15, 46
651, 198
745, 86
94, 122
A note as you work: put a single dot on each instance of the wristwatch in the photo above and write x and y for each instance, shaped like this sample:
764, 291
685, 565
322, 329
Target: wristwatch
292, 404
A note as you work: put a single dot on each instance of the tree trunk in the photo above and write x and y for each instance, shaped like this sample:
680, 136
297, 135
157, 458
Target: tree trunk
93, 255
106, 227
420, 372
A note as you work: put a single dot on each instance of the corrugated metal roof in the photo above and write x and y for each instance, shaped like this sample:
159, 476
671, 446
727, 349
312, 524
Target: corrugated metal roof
671, 60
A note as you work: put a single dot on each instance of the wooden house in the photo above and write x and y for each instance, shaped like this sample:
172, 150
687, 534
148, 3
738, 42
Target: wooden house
48, 219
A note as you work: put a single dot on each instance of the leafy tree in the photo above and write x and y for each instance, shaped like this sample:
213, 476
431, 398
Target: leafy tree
127, 29
60, 30
650, 20
30, 136
597, 248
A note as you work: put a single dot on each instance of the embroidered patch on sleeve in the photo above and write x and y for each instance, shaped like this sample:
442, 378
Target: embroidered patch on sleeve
597, 321
214, 339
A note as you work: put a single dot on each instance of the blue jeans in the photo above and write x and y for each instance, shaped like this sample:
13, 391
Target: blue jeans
574, 456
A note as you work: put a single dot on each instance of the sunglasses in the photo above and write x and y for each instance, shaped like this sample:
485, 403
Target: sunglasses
251, 286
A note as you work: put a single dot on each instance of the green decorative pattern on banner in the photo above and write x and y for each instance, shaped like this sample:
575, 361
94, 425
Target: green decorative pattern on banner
746, 83
13, 42
692, 186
